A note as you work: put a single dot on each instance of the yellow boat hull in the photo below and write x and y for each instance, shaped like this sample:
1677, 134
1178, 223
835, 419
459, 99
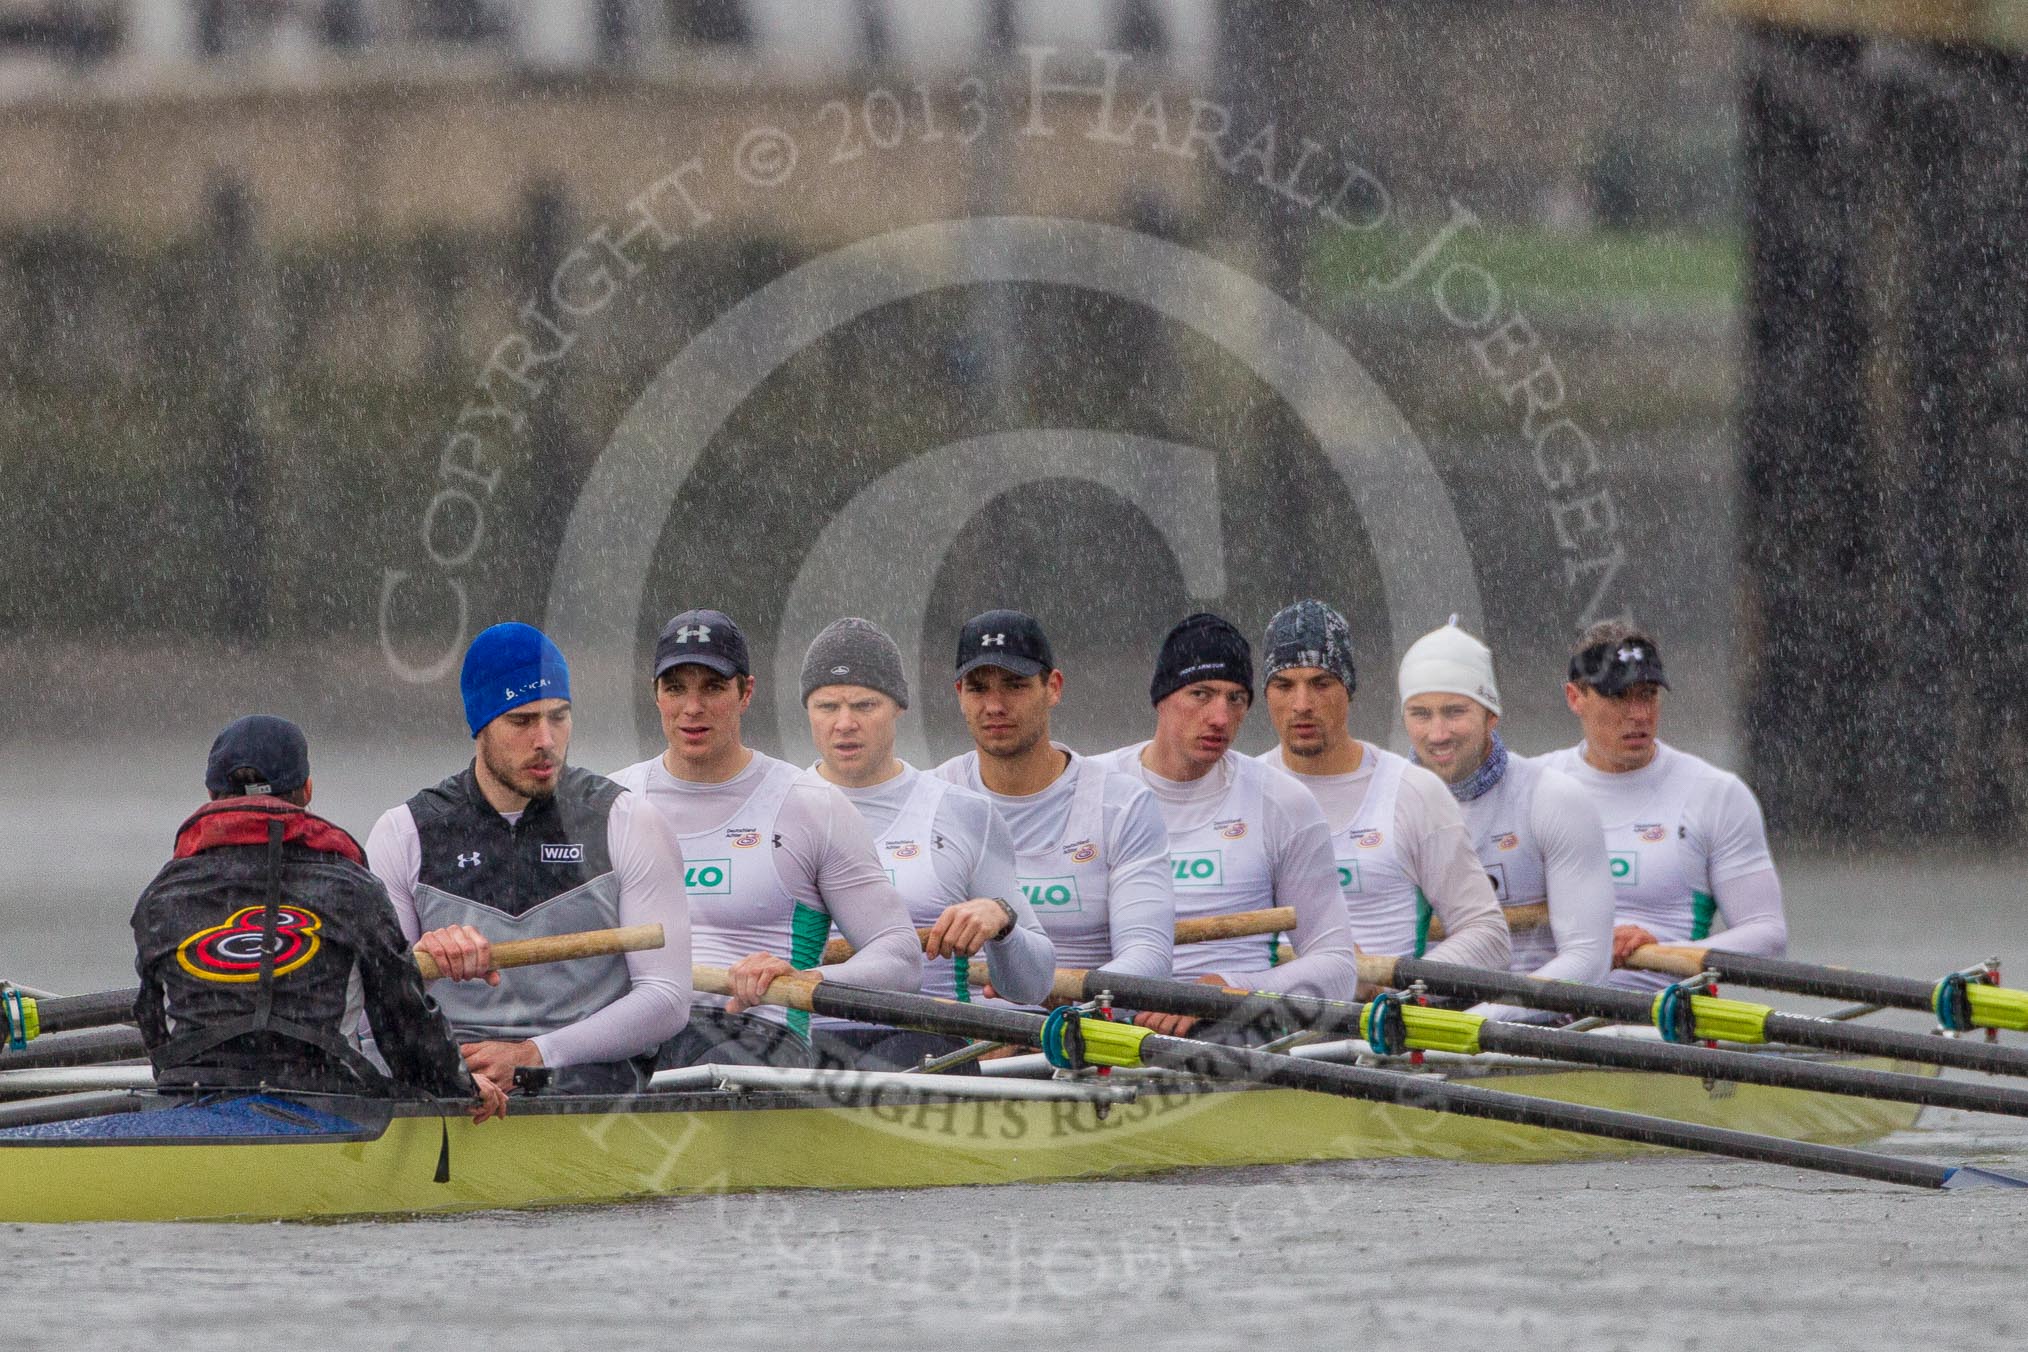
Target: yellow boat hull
559, 1153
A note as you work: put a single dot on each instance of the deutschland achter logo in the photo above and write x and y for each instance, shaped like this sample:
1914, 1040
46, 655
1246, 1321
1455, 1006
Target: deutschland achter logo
1084, 853
907, 849
1369, 840
1507, 841
1232, 830
232, 952
745, 840
1652, 832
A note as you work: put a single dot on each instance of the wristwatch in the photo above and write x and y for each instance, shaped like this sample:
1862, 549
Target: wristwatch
1012, 919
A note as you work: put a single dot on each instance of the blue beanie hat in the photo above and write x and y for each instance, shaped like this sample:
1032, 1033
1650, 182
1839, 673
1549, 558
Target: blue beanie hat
508, 666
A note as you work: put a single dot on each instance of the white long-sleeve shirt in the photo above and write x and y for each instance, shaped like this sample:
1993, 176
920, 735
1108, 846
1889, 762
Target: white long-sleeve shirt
1436, 851
1539, 838
1133, 843
1687, 848
823, 860
973, 856
1296, 843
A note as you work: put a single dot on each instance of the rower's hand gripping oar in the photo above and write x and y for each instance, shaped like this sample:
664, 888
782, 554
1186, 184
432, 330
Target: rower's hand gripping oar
23, 1019
1072, 1041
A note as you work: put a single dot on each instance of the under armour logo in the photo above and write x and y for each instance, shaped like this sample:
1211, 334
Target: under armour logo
778, 840
992, 640
694, 633
938, 837
469, 860
1632, 654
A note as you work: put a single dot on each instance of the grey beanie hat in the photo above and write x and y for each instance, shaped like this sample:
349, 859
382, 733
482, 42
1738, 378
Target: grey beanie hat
853, 651
1310, 634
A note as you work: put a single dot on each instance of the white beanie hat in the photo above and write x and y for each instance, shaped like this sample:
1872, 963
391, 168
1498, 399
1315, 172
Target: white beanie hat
1449, 661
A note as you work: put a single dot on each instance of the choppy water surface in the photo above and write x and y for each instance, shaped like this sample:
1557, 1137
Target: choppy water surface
1674, 1252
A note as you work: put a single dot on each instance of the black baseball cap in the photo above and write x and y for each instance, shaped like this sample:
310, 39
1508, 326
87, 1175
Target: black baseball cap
1007, 639
708, 638
273, 748
1615, 667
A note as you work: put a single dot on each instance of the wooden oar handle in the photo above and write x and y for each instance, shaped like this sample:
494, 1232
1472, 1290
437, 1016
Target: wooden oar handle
792, 991
1674, 959
1530, 917
1239, 925
560, 948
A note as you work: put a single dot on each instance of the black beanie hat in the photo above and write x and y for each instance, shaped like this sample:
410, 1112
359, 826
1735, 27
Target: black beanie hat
1202, 648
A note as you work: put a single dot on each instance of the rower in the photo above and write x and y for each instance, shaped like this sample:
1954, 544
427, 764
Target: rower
1402, 849
251, 941
773, 857
1685, 841
1241, 837
519, 845
1090, 847
945, 848
1536, 832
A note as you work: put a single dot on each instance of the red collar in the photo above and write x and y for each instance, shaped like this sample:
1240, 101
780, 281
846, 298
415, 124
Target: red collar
244, 821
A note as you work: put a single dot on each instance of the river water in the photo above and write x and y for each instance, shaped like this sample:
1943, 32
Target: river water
1658, 1252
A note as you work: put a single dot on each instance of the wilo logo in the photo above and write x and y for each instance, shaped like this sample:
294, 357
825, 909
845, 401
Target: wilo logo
708, 877
563, 854
1059, 895
1348, 876
1496, 874
1626, 868
1200, 870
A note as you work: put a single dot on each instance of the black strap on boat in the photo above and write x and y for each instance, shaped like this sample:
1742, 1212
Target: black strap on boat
264, 987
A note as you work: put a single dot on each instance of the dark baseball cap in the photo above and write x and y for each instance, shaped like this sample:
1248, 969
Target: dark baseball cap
1007, 639
1615, 667
708, 638
273, 748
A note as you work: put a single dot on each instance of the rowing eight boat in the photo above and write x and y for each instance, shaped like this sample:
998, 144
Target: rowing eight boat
734, 1129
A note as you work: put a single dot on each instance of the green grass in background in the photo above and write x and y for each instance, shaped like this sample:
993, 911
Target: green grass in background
1661, 268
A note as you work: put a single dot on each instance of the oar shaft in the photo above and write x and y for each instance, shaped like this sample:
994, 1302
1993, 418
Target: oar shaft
67, 1013
1275, 1015
1414, 1091
1427, 1092
1744, 1067
1606, 1002
1779, 974
92, 1047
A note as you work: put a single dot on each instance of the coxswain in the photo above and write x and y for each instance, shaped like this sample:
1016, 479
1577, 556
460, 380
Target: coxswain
520, 844
774, 857
255, 941
1402, 849
1685, 841
1241, 837
1090, 849
1536, 832
946, 848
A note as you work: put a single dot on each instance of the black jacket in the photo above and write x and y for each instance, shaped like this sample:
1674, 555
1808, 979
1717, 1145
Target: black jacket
218, 1013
